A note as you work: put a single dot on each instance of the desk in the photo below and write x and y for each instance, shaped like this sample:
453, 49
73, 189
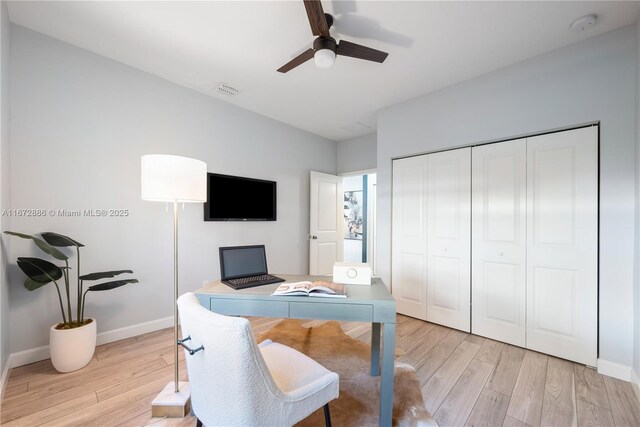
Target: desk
364, 304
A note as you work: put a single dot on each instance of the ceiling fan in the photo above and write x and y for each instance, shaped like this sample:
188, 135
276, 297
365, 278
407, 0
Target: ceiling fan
325, 48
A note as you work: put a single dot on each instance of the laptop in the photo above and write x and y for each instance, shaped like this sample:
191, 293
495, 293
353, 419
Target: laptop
245, 267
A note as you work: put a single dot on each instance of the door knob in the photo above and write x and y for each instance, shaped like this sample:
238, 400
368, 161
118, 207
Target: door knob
500, 253
313, 237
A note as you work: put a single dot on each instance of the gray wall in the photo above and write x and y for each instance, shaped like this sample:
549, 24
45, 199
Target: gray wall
588, 81
357, 154
80, 123
5, 53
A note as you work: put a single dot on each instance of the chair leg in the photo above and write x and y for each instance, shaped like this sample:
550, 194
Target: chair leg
327, 416
198, 422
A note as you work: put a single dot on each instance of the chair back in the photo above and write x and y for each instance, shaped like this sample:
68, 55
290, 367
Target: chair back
229, 380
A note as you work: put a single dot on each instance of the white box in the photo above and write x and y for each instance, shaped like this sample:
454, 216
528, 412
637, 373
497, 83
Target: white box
351, 273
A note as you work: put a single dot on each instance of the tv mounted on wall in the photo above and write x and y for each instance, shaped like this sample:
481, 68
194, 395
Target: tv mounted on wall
235, 198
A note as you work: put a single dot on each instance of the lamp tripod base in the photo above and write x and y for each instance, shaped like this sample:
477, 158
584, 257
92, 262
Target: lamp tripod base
171, 404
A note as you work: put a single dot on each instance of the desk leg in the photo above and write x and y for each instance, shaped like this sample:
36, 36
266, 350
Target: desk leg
386, 386
375, 349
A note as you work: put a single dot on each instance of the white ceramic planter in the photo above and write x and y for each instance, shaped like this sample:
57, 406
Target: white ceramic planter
72, 349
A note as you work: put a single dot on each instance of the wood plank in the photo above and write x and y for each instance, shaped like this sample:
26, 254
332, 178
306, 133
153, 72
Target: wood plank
410, 341
526, 401
114, 390
590, 415
512, 422
139, 397
437, 355
504, 377
476, 339
624, 406
443, 380
53, 412
418, 353
490, 409
54, 395
590, 386
14, 389
490, 351
459, 403
559, 403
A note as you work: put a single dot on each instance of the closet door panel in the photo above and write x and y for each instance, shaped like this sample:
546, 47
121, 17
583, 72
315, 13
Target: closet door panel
562, 257
409, 236
448, 238
498, 241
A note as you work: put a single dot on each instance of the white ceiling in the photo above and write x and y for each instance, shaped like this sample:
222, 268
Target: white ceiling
431, 45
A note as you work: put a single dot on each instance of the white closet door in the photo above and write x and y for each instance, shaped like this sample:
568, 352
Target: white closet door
562, 258
409, 236
499, 188
449, 238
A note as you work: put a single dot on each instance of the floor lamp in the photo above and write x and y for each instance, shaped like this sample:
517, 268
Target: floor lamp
176, 179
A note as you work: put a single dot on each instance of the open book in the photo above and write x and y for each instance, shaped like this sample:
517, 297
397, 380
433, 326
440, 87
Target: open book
319, 288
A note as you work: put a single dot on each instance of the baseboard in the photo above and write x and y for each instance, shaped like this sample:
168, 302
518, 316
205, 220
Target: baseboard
615, 370
134, 330
37, 354
5, 377
635, 383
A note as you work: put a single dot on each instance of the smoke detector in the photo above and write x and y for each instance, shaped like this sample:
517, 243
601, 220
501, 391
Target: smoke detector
584, 23
227, 89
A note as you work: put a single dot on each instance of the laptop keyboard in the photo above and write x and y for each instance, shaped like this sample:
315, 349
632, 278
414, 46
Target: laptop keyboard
246, 282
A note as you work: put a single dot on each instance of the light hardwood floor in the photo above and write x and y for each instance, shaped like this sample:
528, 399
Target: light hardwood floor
465, 379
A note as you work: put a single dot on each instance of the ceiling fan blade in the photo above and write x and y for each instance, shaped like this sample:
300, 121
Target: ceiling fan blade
300, 59
353, 50
318, 21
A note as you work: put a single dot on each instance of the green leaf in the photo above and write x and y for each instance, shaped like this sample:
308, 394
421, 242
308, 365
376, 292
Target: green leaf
46, 248
13, 233
39, 270
32, 285
59, 240
111, 285
103, 274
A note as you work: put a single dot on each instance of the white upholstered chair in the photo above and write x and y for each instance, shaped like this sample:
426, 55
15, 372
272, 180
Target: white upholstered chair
235, 382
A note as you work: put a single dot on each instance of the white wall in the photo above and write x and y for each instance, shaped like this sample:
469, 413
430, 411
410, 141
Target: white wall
589, 81
357, 154
80, 123
5, 49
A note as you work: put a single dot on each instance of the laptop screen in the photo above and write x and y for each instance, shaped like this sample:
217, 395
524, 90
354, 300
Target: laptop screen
239, 261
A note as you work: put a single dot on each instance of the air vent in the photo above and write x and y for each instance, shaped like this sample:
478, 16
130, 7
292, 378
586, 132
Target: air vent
358, 126
226, 89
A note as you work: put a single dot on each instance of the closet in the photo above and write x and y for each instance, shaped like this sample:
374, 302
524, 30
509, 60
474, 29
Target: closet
501, 240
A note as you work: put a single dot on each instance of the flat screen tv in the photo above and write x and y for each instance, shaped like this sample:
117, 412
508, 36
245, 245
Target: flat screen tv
234, 198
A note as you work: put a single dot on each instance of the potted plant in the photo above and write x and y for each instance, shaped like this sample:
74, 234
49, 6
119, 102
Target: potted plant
73, 341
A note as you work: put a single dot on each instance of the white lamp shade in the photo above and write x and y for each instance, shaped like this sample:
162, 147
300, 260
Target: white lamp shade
167, 178
324, 58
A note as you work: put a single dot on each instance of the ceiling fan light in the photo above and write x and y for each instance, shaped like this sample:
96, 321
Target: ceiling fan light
324, 58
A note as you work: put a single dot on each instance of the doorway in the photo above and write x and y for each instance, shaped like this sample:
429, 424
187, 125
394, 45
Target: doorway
359, 218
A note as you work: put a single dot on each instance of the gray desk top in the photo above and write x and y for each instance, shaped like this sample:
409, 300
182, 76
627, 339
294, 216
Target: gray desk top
377, 293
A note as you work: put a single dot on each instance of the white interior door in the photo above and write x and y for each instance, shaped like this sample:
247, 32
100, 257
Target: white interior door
325, 222
562, 242
409, 236
449, 238
498, 241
